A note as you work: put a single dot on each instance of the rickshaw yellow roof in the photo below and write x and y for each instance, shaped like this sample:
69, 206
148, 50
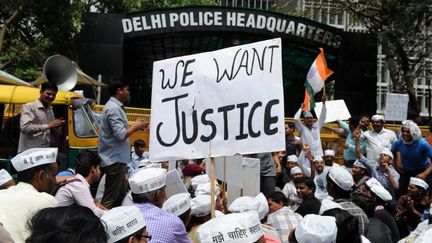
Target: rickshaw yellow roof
11, 94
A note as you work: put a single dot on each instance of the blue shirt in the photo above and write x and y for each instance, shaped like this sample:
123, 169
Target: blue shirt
415, 157
134, 164
381, 175
162, 226
349, 153
113, 145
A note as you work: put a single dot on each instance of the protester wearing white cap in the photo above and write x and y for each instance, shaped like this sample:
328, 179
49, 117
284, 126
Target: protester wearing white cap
360, 175
231, 228
148, 194
412, 154
316, 229
6, 179
179, 205
125, 224
320, 171
310, 131
329, 157
292, 161
200, 211
378, 138
339, 184
382, 170
199, 179
36, 170
410, 207
290, 190
204, 189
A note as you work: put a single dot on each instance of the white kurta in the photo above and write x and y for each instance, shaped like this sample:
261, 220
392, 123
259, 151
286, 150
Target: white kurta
18, 204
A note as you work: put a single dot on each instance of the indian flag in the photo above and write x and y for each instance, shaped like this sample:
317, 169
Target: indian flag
317, 75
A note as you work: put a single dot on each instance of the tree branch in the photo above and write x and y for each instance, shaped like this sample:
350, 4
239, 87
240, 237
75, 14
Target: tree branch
8, 22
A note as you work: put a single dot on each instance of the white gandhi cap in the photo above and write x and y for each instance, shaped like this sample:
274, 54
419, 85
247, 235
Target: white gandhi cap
4, 177
121, 222
201, 205
418, 182
231, 228
315, 229
177, 204
341, 177
199, 179
147, 180
34, 157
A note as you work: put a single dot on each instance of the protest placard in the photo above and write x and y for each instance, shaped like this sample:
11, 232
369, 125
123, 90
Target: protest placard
218, 103
174, 184
336, 110
396, 107
228, 169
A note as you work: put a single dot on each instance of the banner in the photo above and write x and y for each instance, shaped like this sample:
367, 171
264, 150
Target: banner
396, 107
336, 110
218, 103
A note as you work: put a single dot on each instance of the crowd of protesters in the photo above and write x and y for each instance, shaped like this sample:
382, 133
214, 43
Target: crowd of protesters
379, 193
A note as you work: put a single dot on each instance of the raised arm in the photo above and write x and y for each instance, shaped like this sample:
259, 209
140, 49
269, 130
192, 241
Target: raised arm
323, 115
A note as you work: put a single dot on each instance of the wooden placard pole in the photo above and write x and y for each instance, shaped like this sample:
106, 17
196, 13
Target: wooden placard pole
212, 187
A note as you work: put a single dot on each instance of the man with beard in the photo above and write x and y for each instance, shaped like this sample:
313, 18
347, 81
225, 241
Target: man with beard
415, 154
290, 190
36, 169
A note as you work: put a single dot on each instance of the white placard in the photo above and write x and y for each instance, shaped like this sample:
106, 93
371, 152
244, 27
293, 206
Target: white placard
396, 107
251, 176
228, 169
218, 103
174, 184
336, 110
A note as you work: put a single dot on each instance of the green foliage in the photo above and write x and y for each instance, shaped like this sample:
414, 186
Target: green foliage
46, 27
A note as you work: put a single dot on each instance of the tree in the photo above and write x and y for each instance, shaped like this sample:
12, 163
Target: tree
31, 31
404, 30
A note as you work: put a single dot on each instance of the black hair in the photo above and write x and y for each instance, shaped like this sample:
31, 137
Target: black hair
367, 204
354, 121
86, 160
139, 142
347, 224
115, 86
363, 115
307, 181
279, 197
291, 125
28, 174
337, 191
137, 235
185, 214
49, 85
147, 197
67, 225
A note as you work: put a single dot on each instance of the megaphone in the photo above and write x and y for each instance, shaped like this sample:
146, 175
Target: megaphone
10, 79
60, 70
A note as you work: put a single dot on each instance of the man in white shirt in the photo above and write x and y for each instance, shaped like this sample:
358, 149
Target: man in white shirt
378, 138
36, 169
310, 131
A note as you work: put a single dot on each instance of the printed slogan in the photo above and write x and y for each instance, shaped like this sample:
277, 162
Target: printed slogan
218, 103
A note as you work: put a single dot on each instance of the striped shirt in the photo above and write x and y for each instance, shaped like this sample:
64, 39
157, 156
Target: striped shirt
357, 212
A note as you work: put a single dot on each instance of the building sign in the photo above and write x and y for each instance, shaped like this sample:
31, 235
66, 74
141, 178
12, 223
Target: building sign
231, 20
218, 103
